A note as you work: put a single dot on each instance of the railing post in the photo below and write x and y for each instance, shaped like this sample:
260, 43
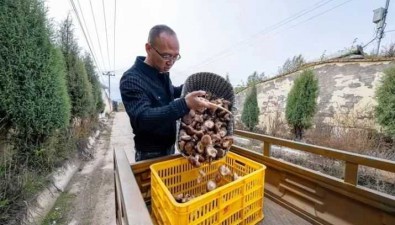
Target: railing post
351, 173
266, 148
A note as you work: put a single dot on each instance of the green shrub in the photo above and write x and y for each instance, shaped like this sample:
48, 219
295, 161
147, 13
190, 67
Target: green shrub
385, 110
33, 95
250, 114
34, 104
255, 78
79, 87
301, 103
389, 50
96, 87
292, 64
81, 91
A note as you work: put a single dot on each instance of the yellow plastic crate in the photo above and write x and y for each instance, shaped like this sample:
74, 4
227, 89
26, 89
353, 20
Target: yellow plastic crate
236, 202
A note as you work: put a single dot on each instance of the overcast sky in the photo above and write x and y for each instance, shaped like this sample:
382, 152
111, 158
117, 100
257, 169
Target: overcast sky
223, 36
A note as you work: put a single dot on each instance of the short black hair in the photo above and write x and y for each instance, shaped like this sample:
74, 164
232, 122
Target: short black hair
157, 30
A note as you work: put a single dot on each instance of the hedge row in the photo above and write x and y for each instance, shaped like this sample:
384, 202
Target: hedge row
45, 83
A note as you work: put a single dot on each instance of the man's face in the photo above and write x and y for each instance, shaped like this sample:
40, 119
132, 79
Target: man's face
163, 52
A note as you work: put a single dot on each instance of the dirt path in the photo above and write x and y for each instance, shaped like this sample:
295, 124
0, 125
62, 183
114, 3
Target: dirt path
89, 197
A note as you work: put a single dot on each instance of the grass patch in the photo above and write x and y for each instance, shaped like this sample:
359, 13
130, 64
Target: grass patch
16, 190
33, 183
58, 213
21, 179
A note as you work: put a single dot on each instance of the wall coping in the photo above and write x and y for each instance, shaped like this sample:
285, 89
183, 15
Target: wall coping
329, 61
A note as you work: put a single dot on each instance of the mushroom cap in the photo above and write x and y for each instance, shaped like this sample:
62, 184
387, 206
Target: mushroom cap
220, 153
181, 145
223, 132
209, 124
192, 160
227, 142
211, 185
224, 170
200, 147
211, 151
187, 119
188, 148
185, 137
206, 140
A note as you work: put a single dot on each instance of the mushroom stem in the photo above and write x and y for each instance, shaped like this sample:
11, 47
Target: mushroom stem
215, 106
219, 107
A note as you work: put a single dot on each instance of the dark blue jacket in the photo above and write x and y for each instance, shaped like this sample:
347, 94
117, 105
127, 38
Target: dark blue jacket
150, 101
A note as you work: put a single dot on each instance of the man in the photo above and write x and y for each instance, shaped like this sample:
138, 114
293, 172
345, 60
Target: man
150, 99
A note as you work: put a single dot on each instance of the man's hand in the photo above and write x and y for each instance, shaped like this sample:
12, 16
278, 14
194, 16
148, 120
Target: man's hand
195, 101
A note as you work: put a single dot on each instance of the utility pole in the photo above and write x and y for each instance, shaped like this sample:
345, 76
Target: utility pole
109, 74
379, 17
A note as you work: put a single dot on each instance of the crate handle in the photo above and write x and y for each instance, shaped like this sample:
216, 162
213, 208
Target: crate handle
240, 163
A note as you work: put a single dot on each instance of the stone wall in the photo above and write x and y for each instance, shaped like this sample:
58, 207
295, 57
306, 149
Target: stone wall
346, 94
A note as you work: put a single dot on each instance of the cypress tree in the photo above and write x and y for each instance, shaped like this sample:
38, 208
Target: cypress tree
250, 112
34, 104
301, 103
79, 87
385, 109
33, 94
96, 87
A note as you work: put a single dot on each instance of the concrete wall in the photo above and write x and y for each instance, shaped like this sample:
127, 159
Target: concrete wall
346, 94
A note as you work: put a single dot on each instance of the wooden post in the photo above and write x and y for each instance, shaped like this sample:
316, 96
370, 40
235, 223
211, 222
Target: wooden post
351, 173
266, 148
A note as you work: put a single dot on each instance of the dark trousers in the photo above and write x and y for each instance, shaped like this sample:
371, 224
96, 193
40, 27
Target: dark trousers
143, 155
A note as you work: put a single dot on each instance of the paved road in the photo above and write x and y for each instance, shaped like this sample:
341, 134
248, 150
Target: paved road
122, 135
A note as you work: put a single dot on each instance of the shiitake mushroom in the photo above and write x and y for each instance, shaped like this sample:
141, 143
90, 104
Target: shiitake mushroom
203, 134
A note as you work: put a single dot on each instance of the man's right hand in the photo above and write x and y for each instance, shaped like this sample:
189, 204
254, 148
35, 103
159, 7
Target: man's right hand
195, 101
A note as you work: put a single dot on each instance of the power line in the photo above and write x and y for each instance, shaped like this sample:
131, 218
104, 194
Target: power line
369, 43
97, 34
264, 31
83, 31
87, 31
105, 25
274, 27
317, 15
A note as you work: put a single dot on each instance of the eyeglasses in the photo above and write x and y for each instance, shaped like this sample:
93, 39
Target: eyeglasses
167, 57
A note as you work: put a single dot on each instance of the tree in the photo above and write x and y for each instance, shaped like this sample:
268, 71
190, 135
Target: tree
240, 87
301, 103
33, 91
79, 87
34, 104
250, 114
291, 65
255, 78
96, 87
385, 109
389, 50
